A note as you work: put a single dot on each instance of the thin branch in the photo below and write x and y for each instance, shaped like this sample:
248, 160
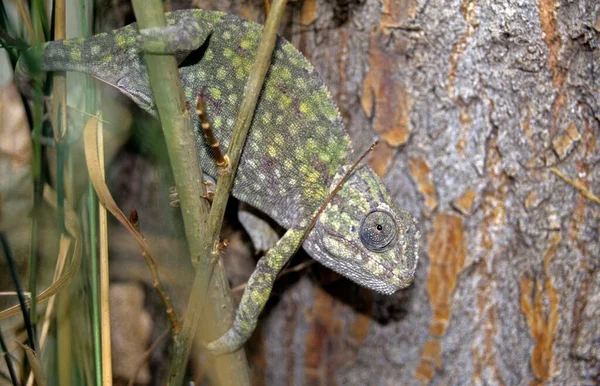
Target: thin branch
146, 355
183, 342
164, 296
577, 185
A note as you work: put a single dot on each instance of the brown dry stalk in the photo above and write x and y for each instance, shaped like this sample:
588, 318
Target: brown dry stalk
160, 289
146, 355
223, 164
336, 189
577, 185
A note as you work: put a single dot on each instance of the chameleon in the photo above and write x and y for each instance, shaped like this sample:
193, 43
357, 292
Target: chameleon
296, 151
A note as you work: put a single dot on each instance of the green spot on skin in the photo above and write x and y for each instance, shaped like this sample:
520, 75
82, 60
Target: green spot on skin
303, 107
324, 157
313, 177
121, 41
285, 102
259, 297
278, 138
271, 93
215, 93
272, 151
221, 73
232, 98
246, 44
217, 122
286, 74
76, 54
228, 53
209, 54
266, 118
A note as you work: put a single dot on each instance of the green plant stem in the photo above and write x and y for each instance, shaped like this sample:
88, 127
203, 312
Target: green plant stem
202, 279
94, 274
187, 173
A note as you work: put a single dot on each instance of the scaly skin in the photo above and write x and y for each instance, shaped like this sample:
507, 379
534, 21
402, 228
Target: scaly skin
297, 149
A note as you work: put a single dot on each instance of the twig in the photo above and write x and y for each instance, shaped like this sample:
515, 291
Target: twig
164, 296
223, 164
577, 185
197, 297
146, 355
335, 190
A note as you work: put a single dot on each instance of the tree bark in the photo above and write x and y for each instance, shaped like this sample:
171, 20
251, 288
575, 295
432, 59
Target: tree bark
476, 103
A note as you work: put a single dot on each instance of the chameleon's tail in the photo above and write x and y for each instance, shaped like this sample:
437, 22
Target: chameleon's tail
112, 57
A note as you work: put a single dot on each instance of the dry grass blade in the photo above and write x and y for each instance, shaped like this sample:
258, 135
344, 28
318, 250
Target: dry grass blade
36, 366
104, 197
73, 228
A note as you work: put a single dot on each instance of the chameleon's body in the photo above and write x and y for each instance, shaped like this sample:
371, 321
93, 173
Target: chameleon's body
297, 148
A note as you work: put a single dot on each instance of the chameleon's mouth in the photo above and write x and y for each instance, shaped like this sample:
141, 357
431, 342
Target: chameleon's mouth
363, 267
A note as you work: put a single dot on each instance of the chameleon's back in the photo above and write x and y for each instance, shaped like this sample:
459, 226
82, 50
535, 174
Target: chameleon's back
297, 140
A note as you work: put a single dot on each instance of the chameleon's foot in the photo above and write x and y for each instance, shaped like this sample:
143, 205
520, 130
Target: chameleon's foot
187, 35
229, 342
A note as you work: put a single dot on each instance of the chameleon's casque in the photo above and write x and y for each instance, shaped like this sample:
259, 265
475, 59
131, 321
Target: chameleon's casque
296, 151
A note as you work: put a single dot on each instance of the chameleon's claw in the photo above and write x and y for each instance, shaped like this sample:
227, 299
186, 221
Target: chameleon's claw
229, 342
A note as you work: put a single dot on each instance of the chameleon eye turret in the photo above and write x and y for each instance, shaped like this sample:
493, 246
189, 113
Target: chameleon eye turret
378, 231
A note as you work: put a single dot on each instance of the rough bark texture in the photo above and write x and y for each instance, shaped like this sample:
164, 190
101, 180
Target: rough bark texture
475, 102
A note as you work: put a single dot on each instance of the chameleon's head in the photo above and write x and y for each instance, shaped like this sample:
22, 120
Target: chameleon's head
366, 237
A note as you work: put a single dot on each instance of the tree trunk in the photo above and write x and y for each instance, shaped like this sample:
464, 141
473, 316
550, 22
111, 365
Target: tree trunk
480, 106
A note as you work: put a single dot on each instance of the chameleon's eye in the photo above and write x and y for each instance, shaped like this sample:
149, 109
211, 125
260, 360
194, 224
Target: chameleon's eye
378, 231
